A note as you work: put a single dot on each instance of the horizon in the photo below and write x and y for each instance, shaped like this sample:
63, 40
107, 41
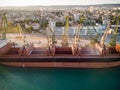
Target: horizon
61, 5
55, 3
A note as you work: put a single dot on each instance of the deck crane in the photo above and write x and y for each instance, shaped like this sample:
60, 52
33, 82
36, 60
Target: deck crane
112, 43
102, 47
51, 41
111, 46
52, 37
4, 26
64, 49
76, 47
66, 34
103, 38
77, 36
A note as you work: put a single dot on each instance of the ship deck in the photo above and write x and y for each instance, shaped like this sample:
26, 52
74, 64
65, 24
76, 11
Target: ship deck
88, 54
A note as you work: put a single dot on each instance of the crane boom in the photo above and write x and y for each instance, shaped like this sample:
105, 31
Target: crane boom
52, 41
77, 34
105, 35
21, 32
76, 49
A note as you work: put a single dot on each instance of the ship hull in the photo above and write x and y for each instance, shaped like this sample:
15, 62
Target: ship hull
63, 58
62, 64
62, 61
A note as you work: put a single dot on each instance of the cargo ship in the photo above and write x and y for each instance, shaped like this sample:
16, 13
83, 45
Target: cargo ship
30, 56
77, 55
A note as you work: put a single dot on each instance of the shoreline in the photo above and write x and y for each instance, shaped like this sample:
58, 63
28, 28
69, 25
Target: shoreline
63, 64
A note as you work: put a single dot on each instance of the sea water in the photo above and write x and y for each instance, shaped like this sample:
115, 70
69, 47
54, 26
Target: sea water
13, 78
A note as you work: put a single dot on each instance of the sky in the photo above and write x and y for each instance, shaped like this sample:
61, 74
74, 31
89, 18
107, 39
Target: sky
55, 2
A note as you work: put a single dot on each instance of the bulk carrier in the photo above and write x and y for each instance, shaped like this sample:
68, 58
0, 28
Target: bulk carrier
75, 55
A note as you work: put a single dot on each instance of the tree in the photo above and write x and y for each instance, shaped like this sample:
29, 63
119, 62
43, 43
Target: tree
99, 20
30, 29
59, 24
44, 23
82, 19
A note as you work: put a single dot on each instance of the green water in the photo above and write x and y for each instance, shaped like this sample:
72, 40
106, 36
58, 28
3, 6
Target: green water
12, 78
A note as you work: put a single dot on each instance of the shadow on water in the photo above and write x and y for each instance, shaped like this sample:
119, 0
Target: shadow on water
12, 78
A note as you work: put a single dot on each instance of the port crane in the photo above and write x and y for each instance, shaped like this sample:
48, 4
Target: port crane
66, 34
4, 26
22, 35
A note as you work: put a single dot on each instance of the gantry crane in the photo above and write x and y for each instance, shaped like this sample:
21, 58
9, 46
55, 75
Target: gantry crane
4, 26
66, 34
